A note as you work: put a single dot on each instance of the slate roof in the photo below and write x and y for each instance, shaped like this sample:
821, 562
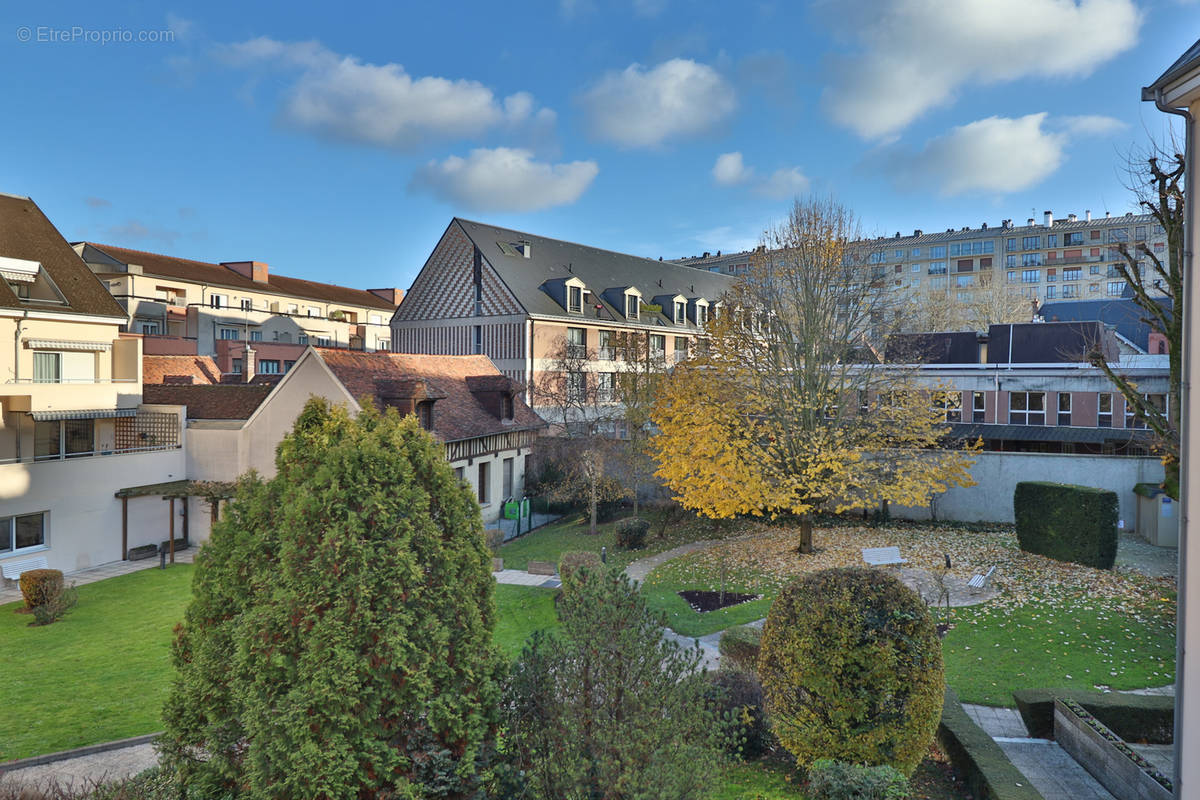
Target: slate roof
458, 415
216, 274
553, 259
221, 401
27, 234
1125, 315
201, 369
1049, 342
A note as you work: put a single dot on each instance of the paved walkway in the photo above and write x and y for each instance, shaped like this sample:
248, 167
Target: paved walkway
10, 591
83, 772
1137, 554
519, 577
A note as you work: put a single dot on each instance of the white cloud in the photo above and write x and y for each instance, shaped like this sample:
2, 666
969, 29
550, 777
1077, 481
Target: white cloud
730, 170
638, 107
136, 230
504, 179
1092, 125
913, 55
784, 182
996, 154
341, 97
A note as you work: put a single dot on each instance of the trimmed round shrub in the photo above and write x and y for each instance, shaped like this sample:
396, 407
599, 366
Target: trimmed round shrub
837, 780
738, 697
852, 669
631, 533
40, 586
741, 644
574, 560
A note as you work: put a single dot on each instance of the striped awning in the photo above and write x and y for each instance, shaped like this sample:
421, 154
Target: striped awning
95, 413
16, 277
63, 344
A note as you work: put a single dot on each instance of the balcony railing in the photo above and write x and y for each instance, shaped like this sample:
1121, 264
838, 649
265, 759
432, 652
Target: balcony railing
576, 351
36, 459
1074, 260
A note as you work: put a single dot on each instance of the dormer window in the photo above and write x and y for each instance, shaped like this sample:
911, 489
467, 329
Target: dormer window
631, 305
701, 314
424, 411
680, 312
575, 299
506, 407
29, 281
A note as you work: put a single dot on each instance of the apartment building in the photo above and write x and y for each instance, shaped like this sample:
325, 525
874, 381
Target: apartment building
548, 310
1055, 260
193, 307
73, 429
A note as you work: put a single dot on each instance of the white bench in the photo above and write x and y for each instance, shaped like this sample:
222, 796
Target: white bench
12, 569
882, 556
979, 582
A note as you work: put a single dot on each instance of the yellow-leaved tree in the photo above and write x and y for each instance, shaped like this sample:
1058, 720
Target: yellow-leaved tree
787, 409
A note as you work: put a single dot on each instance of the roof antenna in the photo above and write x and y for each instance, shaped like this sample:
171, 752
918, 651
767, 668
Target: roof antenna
570, 268
660, 283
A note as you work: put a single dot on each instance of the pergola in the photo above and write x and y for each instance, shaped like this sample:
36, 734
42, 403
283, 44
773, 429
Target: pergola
213, 491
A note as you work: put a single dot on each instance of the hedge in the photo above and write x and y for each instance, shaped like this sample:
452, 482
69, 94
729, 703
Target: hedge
1133, 717
977, 758
1068, 523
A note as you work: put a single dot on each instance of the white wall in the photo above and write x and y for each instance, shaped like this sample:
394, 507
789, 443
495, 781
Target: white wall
495, 505
996, 476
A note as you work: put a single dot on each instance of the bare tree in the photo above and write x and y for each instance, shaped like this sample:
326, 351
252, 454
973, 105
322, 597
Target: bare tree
989, 300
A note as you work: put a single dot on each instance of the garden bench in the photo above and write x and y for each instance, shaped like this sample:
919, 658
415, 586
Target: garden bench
883, 556
542, 568
979, 582
12, 569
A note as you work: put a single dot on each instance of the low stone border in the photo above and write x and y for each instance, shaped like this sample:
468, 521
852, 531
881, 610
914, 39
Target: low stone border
981, 762
78, 752
1133, 717
1103, 754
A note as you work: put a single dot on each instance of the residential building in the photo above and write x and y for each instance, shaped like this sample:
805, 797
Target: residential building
73, 429
1068, 260
548, 310
193, 307
487, 429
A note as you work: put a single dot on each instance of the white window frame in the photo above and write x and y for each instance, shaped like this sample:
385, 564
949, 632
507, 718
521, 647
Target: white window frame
8, 534
1022, 416
218, 300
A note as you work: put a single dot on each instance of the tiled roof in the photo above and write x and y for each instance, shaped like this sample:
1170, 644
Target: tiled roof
201, 369
224, 401
27, 234
458, 415
204, 272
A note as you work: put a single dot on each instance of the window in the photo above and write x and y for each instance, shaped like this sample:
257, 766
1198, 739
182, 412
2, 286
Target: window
1064, 408
506, 479
287, 365
477, 339
607, 351
1031, 242
1010, 245
576, 343
458, 473
1031, 275
424, 411
1094, 235
574, 299
247, 304
1052, 292
1104, 410
949, 405
1118, 235
937, 267
1070, 290
227, 334
149, 327
1072, 274
701, 314
218, 300
916, 267
484, 489
1139, 233
1072, 238
916, 252
383, 344
658, 345
680, 312
268, 366
375, 319
937, 252
1031, 259
1094, 269
22, 532
1027, 408
506, 406
256, 336
312, 311
1012, 276
1116, 288
237, 366
1093, 288
681, 348
302, 338
293, 308
965, 265
66, 438
576, 386
323, 341
937, 283
605, 383
1010, 261
978, 407
1157, 401
631, 306
1052, 240
899, 254
47, 367
963, 281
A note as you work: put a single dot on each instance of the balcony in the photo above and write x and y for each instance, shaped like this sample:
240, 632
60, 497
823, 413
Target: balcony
577, 351
1053, 262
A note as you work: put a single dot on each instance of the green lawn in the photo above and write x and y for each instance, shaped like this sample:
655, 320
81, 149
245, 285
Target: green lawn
762, 780
521, 610
1081, 644
101, 673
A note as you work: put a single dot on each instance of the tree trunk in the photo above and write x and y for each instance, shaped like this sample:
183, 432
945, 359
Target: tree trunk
806, 535
593, 504
635, 498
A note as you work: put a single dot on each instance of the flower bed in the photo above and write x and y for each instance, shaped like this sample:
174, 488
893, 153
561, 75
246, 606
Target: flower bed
1109, 759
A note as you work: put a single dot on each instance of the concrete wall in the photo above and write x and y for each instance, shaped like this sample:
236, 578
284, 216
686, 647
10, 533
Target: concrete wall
996, 476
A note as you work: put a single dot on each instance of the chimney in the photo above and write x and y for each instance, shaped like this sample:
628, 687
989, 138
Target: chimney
1072, 218
917, 232
526, 248
983, 227
1087, 215
1049, 219
248, 364
393, 296
1029, 222
1107, 215
254, 270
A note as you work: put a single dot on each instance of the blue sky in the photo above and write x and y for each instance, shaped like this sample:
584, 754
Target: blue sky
335, 143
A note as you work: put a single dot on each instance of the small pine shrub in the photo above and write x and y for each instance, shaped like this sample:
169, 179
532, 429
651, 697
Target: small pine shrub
1067, 523
851, 665
55, 607
740, 645
837, 780
631, 533
574, 560
39, 586
738, 697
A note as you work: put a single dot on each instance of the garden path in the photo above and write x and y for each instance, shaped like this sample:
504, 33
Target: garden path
10, 591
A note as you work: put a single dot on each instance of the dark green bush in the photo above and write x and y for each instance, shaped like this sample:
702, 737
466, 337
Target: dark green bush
570, 562
1133, 717
741, 645
1066, 522
837, 780
976, 757
738, 696
852, 669
38, 586
631, 533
